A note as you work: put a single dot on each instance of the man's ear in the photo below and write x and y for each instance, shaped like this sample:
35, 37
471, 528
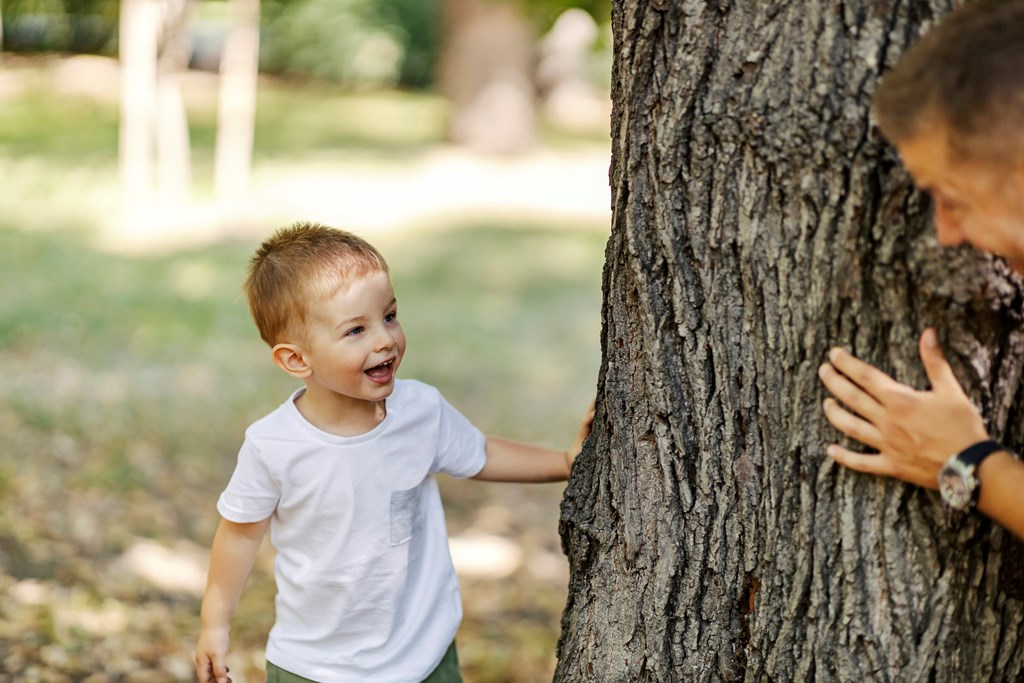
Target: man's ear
289, 358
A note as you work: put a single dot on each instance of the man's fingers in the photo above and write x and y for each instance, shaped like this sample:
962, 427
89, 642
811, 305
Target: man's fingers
851, 395
876, 383
940, 374
873, 463
852, 425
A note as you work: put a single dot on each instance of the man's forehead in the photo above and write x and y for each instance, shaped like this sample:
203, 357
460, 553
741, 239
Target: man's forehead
924, 154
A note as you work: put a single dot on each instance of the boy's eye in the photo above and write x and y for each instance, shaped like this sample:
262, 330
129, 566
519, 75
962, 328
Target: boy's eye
391, 316
354, 331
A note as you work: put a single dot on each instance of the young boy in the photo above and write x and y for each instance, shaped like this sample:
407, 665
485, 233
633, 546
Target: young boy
342, 475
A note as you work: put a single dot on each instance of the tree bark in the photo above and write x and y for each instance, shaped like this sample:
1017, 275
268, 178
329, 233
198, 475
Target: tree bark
758, 220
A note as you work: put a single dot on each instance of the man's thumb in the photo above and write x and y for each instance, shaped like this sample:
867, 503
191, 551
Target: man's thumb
935, 365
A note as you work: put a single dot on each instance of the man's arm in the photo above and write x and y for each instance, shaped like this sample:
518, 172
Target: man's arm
511, 461
915, 432
234, 552
1002, 481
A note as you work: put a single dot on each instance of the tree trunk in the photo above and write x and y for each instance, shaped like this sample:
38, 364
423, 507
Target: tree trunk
758, 221
236, 113
174, 154
138, 42
486, 71
154, 140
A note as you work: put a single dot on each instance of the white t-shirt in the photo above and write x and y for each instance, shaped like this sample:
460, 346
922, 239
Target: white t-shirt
366, 586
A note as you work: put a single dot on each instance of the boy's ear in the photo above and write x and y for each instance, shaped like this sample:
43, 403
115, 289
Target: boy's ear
289, 358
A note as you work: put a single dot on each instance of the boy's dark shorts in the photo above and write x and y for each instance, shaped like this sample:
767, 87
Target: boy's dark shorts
446, 672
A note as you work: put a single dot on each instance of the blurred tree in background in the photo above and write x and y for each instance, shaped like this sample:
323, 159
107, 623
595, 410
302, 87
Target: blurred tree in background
355, 43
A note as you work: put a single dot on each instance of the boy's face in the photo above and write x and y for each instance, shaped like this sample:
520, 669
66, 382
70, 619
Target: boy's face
354, 342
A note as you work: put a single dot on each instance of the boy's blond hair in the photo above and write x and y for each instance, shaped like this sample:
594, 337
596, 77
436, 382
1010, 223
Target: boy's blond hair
298, 263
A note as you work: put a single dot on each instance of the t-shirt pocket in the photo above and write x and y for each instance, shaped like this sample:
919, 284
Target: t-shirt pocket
405, 514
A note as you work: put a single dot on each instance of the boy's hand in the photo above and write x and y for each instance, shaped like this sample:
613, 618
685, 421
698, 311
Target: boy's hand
211, 651
585, 426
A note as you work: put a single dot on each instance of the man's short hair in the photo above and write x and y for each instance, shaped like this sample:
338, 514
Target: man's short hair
966, 74
298, 263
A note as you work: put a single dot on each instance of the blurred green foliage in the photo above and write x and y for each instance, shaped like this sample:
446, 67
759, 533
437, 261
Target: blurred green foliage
81, 26
544, 12
354, 43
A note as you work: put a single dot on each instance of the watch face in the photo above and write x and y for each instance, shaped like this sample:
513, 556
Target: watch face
954, 490
957, 484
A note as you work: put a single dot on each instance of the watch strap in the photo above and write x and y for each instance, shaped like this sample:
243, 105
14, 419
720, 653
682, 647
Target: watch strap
973, 455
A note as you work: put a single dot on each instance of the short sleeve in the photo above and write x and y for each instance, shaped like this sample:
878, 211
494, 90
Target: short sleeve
460, 446
251, 494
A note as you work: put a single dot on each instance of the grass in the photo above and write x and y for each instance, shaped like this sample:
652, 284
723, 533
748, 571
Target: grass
128, 381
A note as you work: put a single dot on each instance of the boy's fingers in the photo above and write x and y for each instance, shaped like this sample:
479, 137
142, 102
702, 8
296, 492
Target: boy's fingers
204, 669
220, 669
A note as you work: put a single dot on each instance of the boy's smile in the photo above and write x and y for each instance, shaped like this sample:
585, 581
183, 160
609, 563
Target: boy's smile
351, 350
383, 373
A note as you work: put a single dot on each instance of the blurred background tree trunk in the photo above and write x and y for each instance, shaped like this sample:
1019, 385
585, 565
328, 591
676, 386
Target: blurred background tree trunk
174, 155
759, 220
487, 71
154, 141
236, 113
139, 31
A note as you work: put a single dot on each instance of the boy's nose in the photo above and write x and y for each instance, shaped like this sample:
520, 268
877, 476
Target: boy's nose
385, 340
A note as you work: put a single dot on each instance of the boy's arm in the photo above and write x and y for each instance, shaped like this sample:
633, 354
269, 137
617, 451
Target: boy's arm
511, 461
234, 552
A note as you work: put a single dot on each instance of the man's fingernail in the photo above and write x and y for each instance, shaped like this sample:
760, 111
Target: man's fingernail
931, 340
832, 354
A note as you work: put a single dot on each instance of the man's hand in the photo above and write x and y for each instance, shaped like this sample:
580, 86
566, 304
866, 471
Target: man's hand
211, 651
913, 431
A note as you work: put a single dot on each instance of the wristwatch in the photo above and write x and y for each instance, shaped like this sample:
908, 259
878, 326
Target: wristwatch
958, 480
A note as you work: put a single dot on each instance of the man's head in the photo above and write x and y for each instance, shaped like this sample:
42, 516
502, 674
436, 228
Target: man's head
954, 107
299, 265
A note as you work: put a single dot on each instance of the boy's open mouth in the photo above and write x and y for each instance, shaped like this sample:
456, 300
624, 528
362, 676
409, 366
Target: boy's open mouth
383, 372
